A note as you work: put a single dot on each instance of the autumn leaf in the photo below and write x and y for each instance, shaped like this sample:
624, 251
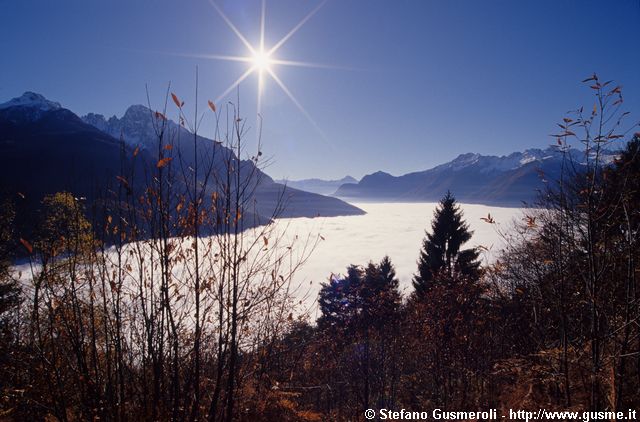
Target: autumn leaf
168, 147
27, 245
212, 106
531, 221
136, 151
160, 116
488, 219
122, 180
163, 162
176, 100
266, 241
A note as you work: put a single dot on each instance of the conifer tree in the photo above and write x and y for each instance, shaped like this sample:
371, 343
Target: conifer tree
381, 291
339, 299
441, 248
366, 295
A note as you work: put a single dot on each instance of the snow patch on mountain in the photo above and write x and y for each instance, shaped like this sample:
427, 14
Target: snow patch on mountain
31, 100
492, 163
30, 106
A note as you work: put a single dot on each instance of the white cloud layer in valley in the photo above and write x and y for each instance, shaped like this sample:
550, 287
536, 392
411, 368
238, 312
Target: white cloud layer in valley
394, 229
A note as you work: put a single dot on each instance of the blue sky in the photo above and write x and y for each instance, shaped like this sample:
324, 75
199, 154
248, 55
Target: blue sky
416, 82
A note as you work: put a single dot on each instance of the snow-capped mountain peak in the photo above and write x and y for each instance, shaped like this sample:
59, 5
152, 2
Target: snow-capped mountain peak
31, 100
490, 163
29, 107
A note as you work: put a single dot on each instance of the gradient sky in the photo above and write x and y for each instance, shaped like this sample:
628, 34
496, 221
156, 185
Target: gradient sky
417, 82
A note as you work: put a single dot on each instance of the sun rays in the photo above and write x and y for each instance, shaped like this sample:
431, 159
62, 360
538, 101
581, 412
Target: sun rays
262, 61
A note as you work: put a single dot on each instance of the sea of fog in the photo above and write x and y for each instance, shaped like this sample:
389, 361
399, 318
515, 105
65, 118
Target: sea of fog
393, 229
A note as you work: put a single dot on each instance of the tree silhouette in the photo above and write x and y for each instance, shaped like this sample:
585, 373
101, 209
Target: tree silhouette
366, 295
340, 301
441, 248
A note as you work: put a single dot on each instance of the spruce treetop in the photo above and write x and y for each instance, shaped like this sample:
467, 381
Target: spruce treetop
441, 252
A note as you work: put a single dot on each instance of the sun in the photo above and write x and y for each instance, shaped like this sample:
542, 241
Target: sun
262, 61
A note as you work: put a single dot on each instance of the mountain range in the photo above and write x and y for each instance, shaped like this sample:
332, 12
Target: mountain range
45, 148
509, 180
323, 187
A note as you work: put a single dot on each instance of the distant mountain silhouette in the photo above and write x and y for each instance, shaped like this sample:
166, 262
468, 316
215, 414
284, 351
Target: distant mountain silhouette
321, 186
45, 148
473, 178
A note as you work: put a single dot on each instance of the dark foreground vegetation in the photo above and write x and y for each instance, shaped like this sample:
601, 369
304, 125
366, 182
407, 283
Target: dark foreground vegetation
126, 313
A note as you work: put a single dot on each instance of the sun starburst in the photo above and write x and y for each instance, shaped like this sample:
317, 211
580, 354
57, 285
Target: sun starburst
262, 61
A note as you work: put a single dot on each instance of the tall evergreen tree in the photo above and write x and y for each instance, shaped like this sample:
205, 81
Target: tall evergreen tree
441, 249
